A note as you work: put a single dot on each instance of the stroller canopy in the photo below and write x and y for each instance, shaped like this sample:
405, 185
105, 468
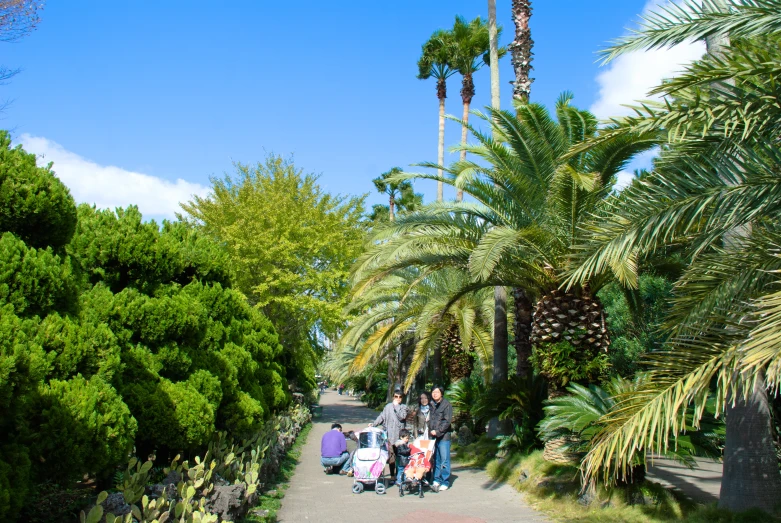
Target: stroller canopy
371, 438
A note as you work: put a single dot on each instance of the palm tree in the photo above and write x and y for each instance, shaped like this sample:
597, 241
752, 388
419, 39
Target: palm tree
500, 293
434, 63
715, 190
429, 308
400, 194
575, 419
524, 228
471, 47
521, 50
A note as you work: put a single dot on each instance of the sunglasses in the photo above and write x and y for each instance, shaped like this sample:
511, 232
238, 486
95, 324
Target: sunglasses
396, 396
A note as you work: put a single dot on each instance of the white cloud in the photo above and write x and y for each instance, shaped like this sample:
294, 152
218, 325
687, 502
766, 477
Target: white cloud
108, 186
641, 161
629, 77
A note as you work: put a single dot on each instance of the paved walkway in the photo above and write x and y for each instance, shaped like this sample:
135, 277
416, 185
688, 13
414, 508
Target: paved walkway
314, 496
702, 483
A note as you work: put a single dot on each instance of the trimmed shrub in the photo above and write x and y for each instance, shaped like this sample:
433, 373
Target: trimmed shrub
34, 203
79, 348
208, 386
172, 416
34, 281
84, 426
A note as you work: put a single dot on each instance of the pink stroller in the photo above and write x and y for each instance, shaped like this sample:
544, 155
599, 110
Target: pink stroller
369, 460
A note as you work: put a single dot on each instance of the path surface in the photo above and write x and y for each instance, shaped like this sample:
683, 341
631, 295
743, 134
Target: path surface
314, 496
702, 483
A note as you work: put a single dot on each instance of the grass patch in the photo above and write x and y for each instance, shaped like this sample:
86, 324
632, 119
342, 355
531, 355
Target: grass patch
271, 499
555, 490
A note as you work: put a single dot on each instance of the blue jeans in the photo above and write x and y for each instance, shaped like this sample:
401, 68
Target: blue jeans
339, 461
399, 470
442, 462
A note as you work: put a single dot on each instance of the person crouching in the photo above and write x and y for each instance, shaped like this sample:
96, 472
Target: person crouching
333, 451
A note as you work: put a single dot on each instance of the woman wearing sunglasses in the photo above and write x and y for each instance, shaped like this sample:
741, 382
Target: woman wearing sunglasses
394, 418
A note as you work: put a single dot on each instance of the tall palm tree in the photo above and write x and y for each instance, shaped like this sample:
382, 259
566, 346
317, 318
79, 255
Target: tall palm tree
715, 189
521, 58
434, 62
500, 293
521, 50
401, 196
471, 48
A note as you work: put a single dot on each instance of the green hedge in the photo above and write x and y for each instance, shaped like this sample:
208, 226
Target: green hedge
117, 334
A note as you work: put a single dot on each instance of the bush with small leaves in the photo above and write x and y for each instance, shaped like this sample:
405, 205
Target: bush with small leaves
34, 281
82, 425
170, 415
34, 203
14, 480
79, 348
208, 385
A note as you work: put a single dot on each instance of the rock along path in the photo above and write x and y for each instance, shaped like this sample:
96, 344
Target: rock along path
315, 496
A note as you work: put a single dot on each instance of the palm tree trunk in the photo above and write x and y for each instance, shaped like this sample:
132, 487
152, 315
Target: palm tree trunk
391, 205
523, 329
495, 426
438, 365
467, 93
750, 478
465, 118
493, 53
500, 294
441, 94
521, 50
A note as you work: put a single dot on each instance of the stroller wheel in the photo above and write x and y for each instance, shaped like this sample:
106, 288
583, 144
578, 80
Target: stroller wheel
380, 488
357, 487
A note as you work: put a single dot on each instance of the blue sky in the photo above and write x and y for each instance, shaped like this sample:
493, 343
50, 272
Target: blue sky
141, 102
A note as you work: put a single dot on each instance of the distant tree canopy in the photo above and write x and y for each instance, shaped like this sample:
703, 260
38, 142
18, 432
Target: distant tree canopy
290, 245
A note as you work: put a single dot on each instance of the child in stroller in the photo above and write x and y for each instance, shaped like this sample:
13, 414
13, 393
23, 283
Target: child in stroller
413, 464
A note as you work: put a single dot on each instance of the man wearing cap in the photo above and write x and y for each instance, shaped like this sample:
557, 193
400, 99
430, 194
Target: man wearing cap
439, 423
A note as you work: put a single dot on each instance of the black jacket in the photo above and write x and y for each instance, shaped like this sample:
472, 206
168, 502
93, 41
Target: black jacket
441, 418
402, 454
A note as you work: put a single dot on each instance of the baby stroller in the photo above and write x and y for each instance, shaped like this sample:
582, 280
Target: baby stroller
369, 460
416, 466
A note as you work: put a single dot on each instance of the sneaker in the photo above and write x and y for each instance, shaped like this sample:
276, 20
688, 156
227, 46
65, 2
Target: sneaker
442, 487
343, 473
435, 487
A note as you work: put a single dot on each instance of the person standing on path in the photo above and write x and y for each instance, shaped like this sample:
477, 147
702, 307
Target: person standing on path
439, 423
333, 450
421, 417
394, 418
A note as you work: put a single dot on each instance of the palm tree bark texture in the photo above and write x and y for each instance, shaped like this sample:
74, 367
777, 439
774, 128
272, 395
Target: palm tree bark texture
522, 330
467, 93
521, 57
521, 50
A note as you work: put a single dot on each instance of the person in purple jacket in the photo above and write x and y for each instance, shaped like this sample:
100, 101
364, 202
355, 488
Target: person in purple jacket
333, 451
